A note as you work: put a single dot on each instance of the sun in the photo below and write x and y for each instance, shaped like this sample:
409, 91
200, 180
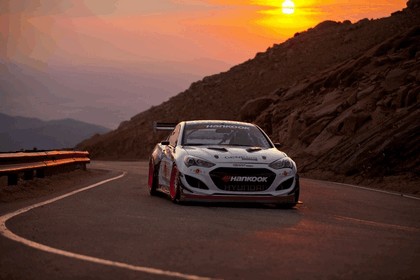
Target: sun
288, 7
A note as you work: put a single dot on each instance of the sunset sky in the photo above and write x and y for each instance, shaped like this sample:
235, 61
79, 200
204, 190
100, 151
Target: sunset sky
173, 41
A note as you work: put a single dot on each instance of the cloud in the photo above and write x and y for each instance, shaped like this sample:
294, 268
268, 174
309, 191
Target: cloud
34, 7
86, 8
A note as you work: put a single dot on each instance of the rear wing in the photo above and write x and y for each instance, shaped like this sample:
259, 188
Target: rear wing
163, 126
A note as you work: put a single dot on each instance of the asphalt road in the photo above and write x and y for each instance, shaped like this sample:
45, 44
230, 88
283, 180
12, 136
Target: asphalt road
117, 231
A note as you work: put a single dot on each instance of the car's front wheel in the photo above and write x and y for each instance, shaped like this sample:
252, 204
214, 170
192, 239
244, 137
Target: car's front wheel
174, 185
296, 193
153, 177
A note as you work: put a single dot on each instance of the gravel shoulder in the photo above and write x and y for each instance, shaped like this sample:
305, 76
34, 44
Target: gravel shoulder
33, 191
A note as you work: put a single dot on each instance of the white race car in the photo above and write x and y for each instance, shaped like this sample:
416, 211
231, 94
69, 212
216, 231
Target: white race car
225, 161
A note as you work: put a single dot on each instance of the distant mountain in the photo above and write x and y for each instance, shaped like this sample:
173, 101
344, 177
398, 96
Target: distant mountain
342, 97
101, 94
19, 133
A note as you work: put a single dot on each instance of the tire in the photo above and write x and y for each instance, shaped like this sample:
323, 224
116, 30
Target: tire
153, 178
174, 185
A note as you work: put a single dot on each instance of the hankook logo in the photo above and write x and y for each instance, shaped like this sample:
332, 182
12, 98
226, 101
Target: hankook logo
242, 158
258, 179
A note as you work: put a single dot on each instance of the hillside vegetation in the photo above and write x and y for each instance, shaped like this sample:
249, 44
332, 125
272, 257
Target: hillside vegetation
342, 97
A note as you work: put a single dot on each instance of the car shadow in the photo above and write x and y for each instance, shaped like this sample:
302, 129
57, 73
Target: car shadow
240, 205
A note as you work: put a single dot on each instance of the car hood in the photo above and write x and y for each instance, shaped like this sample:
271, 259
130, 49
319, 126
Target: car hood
225, 154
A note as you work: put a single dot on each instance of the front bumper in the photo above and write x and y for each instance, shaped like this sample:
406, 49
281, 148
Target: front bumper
238, 198
273, 195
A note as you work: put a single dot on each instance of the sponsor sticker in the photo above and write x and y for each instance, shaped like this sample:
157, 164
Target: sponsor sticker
242, 158
231, 126
242, 165
245, 188
254, 179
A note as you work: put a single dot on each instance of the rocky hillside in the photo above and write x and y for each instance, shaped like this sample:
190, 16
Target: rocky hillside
342, 97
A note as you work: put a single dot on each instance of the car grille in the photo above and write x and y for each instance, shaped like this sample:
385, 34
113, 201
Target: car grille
242, 179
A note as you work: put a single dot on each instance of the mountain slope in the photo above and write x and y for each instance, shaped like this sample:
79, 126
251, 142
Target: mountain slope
17, 133
342, 98
359, 120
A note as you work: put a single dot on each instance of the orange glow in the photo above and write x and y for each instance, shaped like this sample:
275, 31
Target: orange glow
275, 21
178, 30
122, 56
308, 13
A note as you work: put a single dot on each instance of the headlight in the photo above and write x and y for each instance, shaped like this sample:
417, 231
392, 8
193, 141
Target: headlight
282, 163
193, 161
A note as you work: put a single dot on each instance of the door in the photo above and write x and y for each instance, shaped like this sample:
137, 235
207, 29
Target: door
168, 159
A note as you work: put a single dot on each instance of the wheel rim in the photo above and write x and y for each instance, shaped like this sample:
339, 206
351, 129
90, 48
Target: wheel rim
173, 186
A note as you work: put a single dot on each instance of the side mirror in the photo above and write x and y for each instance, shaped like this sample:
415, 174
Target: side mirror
164, 143
278, 145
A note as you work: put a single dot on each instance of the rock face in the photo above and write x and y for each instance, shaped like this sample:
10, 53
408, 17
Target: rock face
343, 99
367, 125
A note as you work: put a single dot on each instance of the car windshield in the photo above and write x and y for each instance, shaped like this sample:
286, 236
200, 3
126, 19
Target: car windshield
224, 134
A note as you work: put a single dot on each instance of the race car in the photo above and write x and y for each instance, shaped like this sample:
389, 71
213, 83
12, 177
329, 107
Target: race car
222, 161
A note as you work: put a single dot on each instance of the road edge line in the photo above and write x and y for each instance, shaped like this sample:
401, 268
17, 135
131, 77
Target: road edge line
4, 231
367, 188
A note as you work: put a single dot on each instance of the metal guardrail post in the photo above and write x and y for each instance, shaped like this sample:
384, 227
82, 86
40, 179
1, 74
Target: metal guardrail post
28, 174
40, 173
12, 179
40, 164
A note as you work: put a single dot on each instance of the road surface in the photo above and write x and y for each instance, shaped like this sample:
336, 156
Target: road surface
115, 230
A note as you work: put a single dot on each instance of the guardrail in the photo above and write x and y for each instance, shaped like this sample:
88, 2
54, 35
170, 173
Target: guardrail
40, 164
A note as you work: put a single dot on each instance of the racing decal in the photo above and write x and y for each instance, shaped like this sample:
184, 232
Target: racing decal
242, 165
259, 179
242, 179
165, 171
242, 158
231, 126
216, 126
245, 188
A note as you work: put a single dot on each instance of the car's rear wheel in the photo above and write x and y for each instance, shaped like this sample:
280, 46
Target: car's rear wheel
153, 177
174, 185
